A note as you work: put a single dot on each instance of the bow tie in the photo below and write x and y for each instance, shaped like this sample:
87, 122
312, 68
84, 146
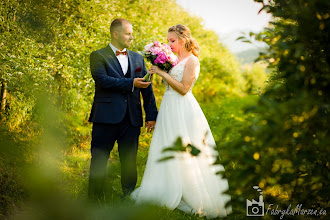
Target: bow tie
119, 52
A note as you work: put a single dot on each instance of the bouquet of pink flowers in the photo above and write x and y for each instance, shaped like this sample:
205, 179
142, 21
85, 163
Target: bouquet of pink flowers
160, 55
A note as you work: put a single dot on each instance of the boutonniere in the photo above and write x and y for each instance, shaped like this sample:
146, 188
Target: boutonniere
137, 70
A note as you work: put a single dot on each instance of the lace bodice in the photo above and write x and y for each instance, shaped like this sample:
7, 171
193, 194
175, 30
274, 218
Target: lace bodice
177, 73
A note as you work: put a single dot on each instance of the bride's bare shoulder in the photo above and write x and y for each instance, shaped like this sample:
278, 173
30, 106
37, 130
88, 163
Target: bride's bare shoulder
192, 61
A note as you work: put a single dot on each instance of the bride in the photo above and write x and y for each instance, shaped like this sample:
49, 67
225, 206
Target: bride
185, 182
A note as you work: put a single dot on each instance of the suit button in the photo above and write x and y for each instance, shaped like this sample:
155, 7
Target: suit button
125, 100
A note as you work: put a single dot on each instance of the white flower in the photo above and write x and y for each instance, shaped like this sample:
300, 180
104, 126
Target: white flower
148, 47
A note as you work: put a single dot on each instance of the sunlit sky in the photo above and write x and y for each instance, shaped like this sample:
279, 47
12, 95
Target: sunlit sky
228, 18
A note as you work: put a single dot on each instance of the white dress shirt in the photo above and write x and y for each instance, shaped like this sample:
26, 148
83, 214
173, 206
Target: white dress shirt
123, 59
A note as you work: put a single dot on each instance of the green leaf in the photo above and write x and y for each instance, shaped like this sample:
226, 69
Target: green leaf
165, 158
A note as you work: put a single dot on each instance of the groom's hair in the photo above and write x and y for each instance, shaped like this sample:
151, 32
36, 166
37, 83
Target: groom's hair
117, 23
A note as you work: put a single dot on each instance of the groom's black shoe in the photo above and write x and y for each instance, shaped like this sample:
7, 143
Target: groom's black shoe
126, 194
95, 190
125, 197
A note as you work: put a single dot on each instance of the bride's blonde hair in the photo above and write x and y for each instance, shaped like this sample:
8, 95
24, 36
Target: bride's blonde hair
184, 34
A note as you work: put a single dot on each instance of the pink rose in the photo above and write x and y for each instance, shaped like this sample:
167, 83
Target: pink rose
148, 47
173, 59
161, 57
155, 50
167, 49
157, 44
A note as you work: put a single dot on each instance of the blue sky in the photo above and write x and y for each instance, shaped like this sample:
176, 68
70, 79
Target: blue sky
229, 18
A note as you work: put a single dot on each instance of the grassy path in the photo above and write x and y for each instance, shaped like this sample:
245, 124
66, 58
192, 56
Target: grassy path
75, 164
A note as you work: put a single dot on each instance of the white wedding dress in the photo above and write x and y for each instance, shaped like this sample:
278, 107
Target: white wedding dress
185, 182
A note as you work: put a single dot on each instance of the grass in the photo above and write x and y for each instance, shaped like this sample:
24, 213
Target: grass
13, 156
75, 164
28, 179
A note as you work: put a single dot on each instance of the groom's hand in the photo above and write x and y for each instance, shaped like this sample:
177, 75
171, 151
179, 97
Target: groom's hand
150, 125
139, 83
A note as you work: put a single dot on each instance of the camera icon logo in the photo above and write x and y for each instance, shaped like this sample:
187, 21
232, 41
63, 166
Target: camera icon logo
255, 208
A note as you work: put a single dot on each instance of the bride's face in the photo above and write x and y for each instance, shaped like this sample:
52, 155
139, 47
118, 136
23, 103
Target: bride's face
174, 42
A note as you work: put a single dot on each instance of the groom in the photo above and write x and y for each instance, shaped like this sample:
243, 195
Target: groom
116, 112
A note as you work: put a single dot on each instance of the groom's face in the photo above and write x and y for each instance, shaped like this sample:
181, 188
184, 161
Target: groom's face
124, 36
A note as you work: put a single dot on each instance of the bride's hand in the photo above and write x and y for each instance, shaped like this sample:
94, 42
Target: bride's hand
155, 69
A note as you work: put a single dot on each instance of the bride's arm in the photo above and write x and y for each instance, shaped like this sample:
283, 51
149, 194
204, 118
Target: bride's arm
187, 79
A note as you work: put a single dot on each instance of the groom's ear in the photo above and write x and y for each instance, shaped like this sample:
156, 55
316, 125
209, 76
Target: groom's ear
115, 35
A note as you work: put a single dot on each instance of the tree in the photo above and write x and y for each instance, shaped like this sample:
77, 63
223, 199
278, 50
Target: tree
284, 149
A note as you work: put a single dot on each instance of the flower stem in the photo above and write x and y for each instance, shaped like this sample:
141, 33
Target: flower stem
148, 77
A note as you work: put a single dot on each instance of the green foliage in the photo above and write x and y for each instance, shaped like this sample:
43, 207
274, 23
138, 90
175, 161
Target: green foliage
48, 45
11, 192
255, 78
178, 146
284, 149
13, 156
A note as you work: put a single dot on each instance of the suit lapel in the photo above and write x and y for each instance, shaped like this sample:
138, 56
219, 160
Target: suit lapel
130, 63
113, 59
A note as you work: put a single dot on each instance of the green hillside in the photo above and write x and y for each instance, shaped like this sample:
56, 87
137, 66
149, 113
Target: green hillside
247, 56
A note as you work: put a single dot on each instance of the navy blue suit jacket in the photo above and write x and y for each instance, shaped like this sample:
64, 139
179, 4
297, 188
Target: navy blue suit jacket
113, 91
